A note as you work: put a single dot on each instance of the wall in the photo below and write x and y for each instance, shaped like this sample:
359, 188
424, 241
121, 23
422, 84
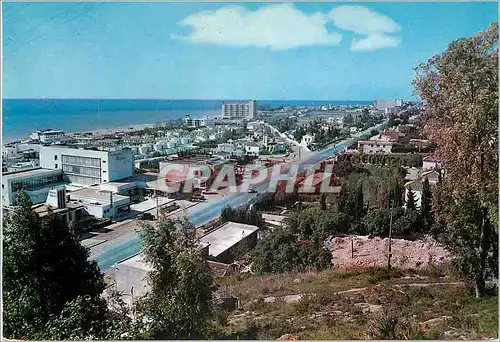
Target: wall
120, 165
127, 277
246, 244
115, 165
37, 196
367, 147
430, 165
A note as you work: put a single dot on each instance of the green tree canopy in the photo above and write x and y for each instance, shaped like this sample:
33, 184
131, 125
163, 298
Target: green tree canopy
179, 302
460, 90
46, 273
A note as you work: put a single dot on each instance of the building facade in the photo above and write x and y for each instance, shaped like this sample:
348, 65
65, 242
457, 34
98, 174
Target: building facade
376, 146
199, 122
247, 111
36, 183
386, 104
47, 136
88, 167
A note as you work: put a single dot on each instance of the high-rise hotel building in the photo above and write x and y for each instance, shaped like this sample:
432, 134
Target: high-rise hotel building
240, 111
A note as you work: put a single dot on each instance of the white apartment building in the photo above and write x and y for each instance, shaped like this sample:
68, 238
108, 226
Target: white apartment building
199, 122
47, 136
385, 104
88, 167
375, 146
240, 111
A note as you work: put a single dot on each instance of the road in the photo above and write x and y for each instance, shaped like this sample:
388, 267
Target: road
204, 212
284, 136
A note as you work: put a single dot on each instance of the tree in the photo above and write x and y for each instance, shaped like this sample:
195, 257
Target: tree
426, 205
179, 302
376, 222
322, 202
242, 215
280, 252
348, 120
410, 200
460, 90
46, 272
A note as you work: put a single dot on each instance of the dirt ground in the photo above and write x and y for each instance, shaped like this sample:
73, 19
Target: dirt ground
366, 252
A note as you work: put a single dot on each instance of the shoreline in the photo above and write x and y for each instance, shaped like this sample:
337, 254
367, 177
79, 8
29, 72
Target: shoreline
102, 131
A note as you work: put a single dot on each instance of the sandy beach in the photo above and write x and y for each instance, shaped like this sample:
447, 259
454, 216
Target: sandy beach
113, 130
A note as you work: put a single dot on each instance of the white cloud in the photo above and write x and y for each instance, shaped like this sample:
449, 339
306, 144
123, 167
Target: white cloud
277, 27
374, 42
363, 21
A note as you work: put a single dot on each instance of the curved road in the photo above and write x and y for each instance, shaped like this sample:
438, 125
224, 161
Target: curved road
206, 211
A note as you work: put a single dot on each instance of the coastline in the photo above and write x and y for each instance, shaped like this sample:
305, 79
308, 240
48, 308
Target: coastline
99, 131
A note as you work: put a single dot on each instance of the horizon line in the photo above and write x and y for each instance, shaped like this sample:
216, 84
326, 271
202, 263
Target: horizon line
186, 99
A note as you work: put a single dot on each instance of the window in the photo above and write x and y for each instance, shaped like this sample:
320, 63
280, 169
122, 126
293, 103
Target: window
55, 166
103, 171
55, 156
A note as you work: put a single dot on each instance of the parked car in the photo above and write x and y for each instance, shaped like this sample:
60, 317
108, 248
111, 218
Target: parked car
251, 190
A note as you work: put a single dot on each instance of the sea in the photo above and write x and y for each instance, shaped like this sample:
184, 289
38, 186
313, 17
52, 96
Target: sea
20, 117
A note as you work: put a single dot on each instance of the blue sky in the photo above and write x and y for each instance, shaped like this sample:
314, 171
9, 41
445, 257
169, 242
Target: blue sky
301, 51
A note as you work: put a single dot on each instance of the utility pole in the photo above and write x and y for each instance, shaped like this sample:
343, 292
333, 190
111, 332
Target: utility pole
390, 242
157, 210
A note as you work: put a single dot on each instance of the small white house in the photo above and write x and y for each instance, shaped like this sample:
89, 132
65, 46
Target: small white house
430, 162
307, 140
252, 149
416, 186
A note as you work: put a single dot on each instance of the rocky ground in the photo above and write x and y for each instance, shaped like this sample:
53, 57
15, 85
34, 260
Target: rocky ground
361, 251
363, 304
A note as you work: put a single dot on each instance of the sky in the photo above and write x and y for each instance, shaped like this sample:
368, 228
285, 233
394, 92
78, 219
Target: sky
266, 51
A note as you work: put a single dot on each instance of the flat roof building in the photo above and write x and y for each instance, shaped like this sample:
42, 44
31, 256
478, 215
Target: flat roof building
240, 111
88, 167
229, 239
131, 276
372, 146
47, 135
101, 204
36, 183
386, 104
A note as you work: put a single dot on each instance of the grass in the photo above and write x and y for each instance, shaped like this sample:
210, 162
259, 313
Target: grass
330, 315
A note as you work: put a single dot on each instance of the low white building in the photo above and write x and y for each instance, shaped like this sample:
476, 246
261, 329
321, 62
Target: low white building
32, 164
372, 146
307, 140
388, 103
430, 162
204, 121
416, 185
226, 147
101, 204
88, 167
131, 276
36, 183
48, 135
224, 242
253, 149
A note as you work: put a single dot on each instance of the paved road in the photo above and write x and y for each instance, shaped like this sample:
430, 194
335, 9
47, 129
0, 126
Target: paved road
204, 212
